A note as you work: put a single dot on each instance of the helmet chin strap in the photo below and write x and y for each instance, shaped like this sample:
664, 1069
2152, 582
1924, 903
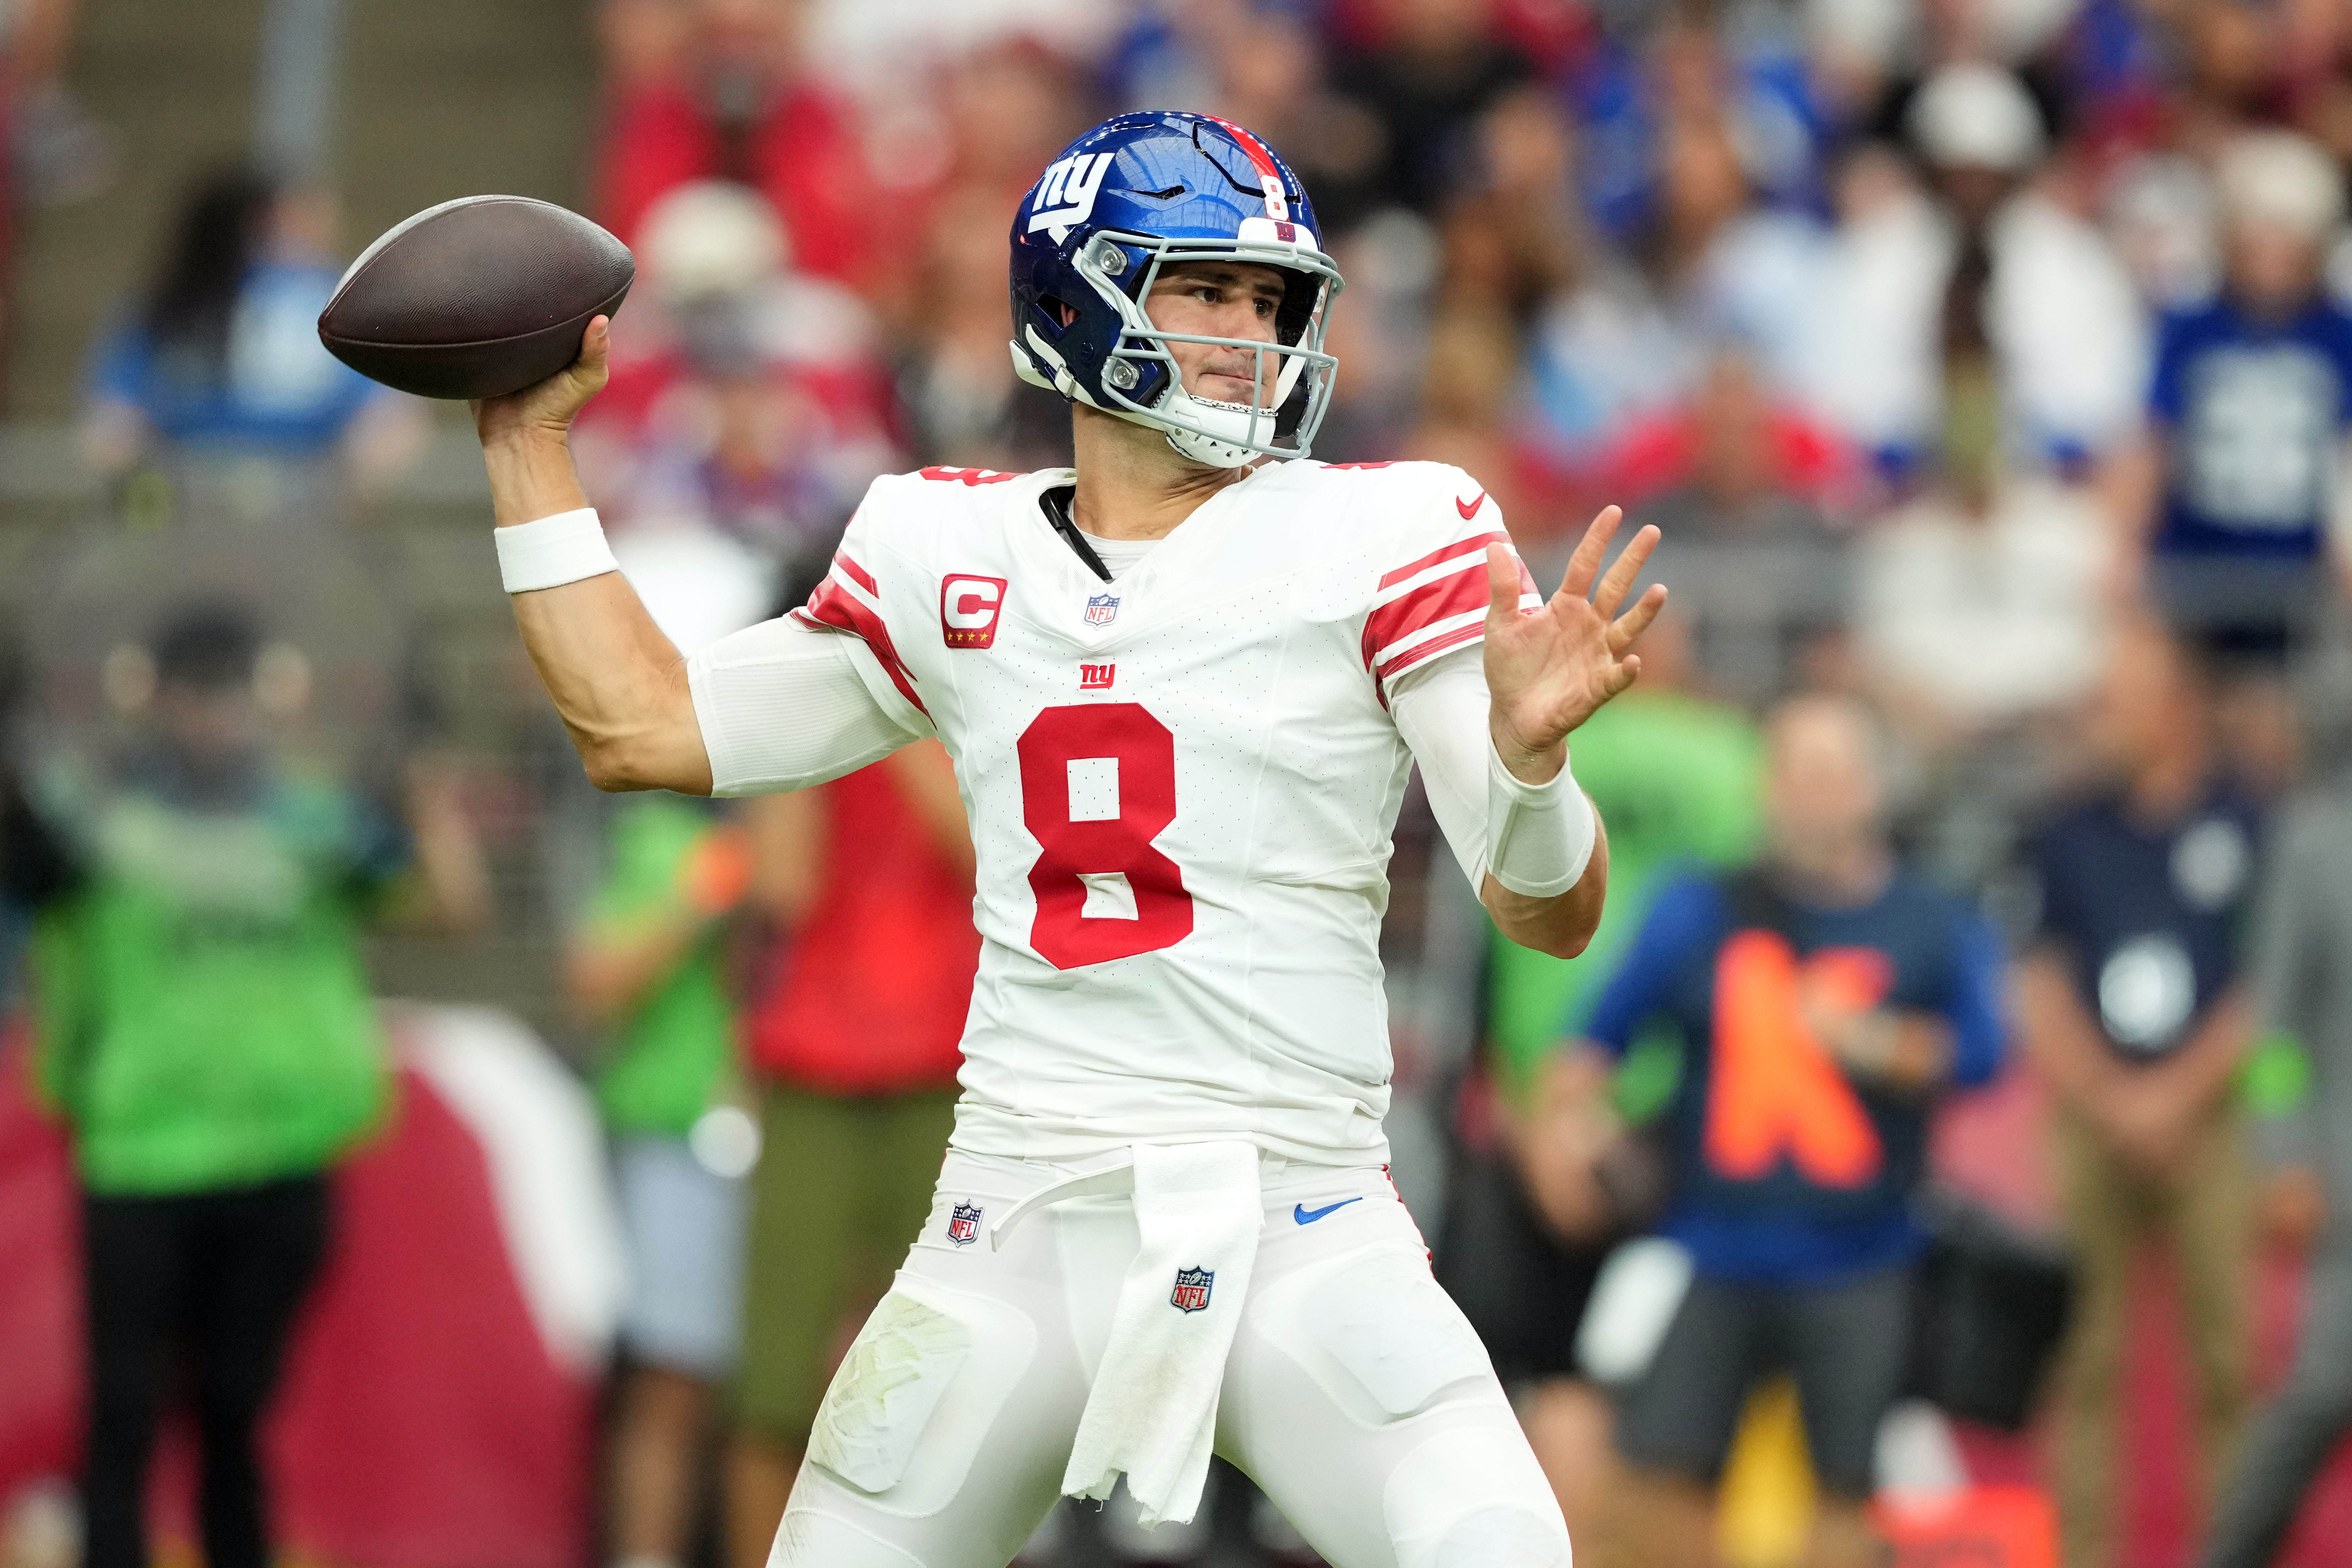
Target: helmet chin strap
1201, 421
1199, 448
1196, 441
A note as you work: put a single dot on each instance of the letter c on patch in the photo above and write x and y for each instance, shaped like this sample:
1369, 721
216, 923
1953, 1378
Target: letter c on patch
968, 608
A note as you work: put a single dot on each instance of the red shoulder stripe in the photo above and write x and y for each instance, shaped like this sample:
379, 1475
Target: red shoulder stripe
1426, 651
1422, 608
965, 476
1414, 568
856, 574
835, 607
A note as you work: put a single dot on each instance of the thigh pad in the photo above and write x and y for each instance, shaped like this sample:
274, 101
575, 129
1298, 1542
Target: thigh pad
1375, 1331
918, 1393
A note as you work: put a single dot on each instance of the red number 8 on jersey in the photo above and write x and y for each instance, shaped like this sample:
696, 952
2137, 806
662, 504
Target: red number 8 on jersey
1098, 785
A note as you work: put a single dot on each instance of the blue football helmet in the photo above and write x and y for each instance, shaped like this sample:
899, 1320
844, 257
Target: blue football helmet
1134, 195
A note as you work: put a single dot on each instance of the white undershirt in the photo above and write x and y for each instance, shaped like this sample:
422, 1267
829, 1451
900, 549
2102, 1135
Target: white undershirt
1119, 555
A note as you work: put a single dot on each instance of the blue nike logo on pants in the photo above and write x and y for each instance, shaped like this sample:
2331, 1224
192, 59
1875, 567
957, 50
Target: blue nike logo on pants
1306, 1215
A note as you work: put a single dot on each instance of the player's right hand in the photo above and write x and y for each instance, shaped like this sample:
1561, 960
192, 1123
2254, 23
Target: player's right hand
548, 407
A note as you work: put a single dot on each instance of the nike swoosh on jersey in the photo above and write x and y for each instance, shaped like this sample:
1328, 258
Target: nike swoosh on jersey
1306, 1215
1468, 508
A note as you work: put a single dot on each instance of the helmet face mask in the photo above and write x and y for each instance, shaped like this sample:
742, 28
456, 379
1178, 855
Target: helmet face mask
1079, 315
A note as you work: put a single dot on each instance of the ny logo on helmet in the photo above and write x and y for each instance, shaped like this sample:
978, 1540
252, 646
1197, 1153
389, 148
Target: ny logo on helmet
1066, 196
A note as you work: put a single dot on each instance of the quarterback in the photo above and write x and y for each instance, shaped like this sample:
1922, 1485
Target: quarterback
1184, 685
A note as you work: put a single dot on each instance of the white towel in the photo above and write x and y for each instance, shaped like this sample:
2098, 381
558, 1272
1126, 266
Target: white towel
1152, 1413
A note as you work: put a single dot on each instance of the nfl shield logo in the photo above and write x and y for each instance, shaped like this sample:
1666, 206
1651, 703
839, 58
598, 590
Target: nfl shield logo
1101, 610
963, 1224
1192, 1291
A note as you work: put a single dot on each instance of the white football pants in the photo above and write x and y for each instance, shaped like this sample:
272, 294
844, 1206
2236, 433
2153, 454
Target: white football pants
1356, 1393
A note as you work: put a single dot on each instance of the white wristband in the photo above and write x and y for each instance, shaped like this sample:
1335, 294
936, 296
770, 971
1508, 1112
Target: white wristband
553, 551
1540, 837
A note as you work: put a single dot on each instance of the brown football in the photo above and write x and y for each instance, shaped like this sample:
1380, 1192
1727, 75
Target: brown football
475, 298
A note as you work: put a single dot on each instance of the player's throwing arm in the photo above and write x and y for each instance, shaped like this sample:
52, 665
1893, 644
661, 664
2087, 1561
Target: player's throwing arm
506, 303
618, 684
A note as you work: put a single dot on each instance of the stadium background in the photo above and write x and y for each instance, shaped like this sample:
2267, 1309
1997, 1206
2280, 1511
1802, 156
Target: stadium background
1576, 246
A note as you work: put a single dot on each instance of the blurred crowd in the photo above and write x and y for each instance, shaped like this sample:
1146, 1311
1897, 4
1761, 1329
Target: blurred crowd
51, 150
1987, 364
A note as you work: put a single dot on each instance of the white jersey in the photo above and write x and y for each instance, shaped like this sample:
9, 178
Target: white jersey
1181, 784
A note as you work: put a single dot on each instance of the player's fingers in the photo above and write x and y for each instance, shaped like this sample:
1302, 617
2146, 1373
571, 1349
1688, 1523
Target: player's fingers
1586, 563
1629, 670
589, 373
1624, 570
596, 344
1502, 587
1625, 628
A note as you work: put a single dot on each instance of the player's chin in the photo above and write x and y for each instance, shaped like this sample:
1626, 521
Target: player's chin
1237, 391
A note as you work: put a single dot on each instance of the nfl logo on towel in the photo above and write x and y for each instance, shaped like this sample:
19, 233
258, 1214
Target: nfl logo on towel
963, 1224
1192, 1291
1101, 610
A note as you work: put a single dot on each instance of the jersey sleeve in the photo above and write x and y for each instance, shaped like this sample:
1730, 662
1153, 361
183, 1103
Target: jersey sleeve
783, 705
1431, 598
1440, 706
810, 696
849, 600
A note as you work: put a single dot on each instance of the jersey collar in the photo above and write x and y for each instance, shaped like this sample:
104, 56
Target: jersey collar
1152, 590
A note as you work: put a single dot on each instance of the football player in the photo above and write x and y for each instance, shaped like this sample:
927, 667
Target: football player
1184, 685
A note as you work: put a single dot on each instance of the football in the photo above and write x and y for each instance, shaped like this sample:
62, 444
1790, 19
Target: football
475, 298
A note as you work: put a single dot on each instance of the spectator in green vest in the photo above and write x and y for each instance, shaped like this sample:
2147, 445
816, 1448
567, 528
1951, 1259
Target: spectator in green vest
648, 967
202, 1024
1677, 777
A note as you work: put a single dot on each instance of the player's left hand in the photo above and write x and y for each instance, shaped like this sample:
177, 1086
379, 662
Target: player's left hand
1549, 670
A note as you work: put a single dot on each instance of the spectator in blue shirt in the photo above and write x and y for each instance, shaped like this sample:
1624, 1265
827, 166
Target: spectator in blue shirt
2235, 491
2132, 1008
1825, 996
223, 355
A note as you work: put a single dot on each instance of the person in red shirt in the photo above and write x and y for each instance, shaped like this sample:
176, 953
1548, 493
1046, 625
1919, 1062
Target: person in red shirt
851, 1029
721, 88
